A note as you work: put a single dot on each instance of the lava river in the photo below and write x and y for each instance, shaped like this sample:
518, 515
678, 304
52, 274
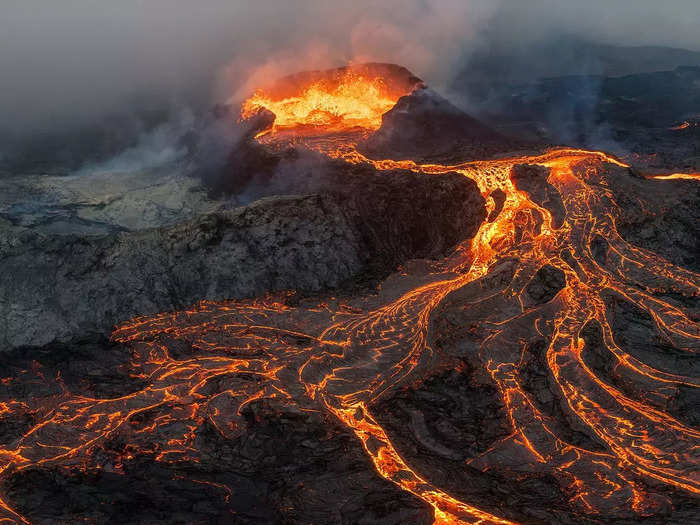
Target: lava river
341, 359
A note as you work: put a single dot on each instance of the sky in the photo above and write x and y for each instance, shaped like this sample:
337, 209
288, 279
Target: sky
70, 62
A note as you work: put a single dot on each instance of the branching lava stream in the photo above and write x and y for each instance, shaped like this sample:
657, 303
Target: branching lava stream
342, 359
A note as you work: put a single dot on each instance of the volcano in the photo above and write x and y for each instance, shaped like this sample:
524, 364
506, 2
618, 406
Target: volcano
390, 112
525, 350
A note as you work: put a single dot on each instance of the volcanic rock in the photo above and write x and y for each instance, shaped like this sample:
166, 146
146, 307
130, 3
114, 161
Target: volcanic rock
641, 117
660, 215
533, 180
425, 126
58, 287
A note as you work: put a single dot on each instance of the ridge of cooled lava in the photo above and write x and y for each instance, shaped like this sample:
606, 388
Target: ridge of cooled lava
545, 371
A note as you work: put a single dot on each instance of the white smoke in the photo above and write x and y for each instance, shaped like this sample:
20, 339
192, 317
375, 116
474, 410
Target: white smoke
70, 63
157, 147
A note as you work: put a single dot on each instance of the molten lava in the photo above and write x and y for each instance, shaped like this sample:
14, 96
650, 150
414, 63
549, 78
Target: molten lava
339, 100
340, 360
355, 102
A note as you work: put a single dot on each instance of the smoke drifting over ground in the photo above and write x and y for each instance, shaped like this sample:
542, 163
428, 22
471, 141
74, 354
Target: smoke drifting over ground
69, 63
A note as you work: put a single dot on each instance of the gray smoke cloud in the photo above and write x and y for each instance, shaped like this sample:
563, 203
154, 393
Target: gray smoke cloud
671, 23
71, 62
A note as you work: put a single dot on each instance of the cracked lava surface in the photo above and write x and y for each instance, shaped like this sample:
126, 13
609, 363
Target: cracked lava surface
339, 358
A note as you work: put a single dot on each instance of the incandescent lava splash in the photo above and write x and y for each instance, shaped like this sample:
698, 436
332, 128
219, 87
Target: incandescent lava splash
349, 98
553, 212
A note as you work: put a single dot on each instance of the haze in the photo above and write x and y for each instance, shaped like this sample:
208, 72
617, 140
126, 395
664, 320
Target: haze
71, 62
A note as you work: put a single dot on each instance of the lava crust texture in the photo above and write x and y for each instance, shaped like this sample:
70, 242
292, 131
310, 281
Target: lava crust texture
542, 371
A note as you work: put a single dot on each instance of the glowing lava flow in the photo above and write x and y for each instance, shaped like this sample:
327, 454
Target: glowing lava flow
688, 176
342, 359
